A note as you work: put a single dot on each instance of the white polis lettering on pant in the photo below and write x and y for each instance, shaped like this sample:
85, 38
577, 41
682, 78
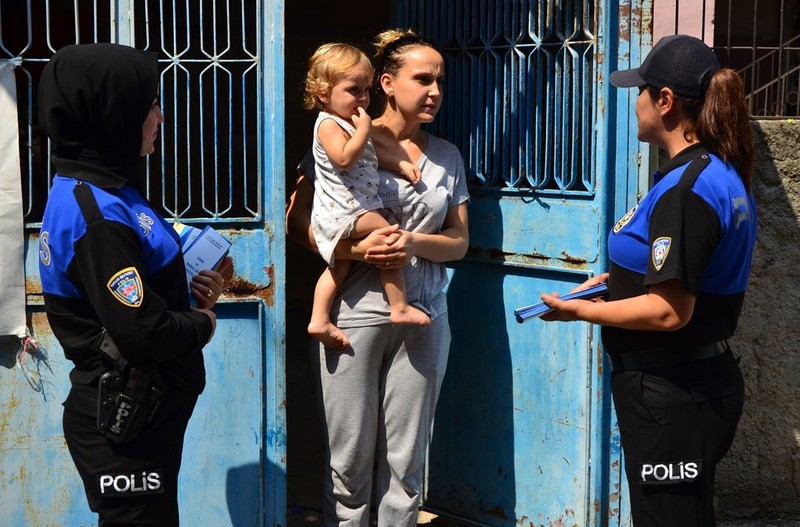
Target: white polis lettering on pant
122, 484
669, 472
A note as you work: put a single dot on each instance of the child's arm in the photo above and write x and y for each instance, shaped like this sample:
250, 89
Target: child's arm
391, 156
341, 148
410, 171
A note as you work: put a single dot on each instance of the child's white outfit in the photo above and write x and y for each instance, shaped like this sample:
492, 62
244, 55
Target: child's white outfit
341, 196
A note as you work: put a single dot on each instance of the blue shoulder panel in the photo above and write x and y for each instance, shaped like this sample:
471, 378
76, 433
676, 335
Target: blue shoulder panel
63, 225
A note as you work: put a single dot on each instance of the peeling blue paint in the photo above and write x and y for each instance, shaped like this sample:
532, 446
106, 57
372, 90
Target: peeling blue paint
276, 437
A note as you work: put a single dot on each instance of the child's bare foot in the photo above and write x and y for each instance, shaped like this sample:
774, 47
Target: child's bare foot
330, 336
409, 315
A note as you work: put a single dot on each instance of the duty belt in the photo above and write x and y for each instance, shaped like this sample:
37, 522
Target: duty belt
656, 357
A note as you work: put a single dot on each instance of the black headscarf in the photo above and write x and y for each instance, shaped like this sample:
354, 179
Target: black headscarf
93, 100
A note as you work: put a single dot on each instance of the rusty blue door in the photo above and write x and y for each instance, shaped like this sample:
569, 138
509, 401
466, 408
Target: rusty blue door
217, 162
524, 431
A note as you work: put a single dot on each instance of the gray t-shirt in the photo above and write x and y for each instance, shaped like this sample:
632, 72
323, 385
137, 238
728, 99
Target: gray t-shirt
423, 208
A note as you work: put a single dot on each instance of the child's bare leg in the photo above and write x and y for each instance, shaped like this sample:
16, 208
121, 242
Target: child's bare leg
320, 327
366, 223
402, 313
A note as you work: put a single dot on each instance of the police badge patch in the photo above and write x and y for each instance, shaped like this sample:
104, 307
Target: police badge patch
126, 286
660, 251
625, 219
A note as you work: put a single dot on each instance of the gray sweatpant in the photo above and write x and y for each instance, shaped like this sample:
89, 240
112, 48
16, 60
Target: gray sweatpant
378, 399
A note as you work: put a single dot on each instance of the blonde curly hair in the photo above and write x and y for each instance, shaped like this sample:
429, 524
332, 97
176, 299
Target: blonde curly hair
326, 66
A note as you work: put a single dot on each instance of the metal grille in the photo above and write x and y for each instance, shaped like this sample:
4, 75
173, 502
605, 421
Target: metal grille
758, 38
761, 39
519, 89
206, 164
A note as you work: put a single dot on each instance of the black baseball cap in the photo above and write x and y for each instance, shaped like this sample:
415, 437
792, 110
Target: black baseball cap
679, 62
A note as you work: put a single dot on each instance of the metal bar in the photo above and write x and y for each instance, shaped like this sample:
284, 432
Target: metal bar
122, 21
781, 96
753, 59
272, 103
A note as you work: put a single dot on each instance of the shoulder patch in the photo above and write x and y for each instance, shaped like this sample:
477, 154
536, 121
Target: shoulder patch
660, 251
625, 219
126, 286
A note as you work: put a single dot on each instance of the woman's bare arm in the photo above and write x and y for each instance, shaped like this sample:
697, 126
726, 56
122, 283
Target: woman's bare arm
665, 307
298, 214
449, 244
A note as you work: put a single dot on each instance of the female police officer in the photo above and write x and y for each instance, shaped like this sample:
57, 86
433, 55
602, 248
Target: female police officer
679, 264
114, 284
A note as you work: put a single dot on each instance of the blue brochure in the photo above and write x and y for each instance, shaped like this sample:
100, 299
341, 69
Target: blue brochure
536, 310
205, 251
202, 249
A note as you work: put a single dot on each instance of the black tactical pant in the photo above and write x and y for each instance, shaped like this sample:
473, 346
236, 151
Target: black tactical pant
135, 483
676, 423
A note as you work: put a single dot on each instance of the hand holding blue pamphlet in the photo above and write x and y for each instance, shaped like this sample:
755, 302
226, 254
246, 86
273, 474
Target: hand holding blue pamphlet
202, 249
536, 310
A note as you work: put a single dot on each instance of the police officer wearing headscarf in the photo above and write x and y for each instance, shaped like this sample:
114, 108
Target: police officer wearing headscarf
115, 288
679, 265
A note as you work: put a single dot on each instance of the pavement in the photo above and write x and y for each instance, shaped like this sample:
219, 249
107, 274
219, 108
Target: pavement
771, 522
307, 518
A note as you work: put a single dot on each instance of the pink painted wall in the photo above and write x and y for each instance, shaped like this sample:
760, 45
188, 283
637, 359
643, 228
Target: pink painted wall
689, 17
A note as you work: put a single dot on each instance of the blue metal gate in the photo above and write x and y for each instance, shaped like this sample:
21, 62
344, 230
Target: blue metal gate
218, 162
524, 433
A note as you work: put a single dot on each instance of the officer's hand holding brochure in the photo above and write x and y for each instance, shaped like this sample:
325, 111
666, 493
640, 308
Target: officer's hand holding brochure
202, 249
536, 310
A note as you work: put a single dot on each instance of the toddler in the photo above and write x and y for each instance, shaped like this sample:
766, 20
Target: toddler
346, 202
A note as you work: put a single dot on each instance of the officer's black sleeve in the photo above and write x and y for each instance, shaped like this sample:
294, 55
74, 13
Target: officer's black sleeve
148, 330
684, 231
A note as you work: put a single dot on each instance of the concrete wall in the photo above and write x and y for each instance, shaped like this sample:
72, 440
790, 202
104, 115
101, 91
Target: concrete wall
761, 475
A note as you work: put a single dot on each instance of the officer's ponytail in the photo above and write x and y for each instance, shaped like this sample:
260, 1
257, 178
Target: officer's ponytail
724, 124
721, 120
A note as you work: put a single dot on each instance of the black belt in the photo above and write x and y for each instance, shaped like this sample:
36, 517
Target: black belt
656, 357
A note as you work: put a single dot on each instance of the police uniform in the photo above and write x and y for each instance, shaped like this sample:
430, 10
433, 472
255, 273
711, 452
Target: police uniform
111, 265
679, 394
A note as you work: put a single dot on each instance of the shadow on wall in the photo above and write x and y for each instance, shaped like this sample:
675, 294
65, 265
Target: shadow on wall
242, 494
471, 470
761, 474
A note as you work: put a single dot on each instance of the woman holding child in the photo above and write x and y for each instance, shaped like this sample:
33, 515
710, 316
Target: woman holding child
379, 393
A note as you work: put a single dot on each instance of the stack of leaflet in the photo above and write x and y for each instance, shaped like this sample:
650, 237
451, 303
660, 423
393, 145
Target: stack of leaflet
536, 310
202, 248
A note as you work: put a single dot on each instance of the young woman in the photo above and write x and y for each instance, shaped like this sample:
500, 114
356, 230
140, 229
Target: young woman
679, 265
113, 276
379, 394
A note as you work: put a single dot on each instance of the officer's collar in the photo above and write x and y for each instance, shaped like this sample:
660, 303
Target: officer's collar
680, 159
98, 174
